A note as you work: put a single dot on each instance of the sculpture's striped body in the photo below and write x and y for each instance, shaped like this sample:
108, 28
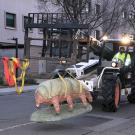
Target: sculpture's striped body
57, 90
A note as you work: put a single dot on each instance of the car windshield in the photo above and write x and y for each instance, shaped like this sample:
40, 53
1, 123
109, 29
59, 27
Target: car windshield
77, 66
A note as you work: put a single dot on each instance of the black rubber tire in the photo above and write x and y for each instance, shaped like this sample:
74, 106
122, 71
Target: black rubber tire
108, 92
131, 97
94, 95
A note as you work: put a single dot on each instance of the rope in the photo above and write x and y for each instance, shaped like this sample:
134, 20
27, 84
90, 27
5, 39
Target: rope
81, 87
24, 66
10, 66
64, 83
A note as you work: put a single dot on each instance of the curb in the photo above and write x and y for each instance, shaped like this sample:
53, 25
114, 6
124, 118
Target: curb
7, 91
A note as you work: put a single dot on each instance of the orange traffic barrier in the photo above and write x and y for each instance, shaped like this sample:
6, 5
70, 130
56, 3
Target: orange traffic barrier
9, 72
10, 66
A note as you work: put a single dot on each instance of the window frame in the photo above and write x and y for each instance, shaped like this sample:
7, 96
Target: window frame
96, 34
124, 14
15, 21
97, 9
89, 6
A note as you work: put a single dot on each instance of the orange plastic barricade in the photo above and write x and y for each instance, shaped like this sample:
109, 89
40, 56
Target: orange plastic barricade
10, 66
9, 72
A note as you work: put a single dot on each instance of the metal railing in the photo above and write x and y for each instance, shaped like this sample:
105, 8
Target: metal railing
53, 18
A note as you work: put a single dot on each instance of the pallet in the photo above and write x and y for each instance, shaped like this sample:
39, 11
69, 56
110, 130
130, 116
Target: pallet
49, 115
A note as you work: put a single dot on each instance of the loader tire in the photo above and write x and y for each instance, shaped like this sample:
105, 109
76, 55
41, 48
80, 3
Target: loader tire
131, 96
111, 91
94, 95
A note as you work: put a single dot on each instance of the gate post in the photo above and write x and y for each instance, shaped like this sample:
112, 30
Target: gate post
74, 56
26, 44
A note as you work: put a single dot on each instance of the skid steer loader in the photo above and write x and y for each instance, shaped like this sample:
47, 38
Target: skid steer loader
114, 77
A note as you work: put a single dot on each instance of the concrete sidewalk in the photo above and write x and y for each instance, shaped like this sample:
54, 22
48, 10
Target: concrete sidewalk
9, 90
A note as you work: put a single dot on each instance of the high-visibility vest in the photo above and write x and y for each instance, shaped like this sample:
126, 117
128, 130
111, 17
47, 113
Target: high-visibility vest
121, 56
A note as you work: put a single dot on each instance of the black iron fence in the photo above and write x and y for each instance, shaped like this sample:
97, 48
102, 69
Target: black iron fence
55, 20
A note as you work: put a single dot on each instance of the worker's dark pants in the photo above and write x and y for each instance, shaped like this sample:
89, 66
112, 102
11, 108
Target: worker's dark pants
123, 76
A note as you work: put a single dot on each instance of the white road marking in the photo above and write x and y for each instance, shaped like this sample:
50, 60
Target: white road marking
16, 126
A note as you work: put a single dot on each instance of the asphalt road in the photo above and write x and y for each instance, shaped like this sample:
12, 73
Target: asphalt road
15, 112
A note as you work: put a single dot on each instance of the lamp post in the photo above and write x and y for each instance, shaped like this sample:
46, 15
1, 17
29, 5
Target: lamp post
16, 51
16, 44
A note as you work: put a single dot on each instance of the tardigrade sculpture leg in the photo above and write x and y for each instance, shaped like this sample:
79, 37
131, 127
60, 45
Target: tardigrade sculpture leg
70, 102
83, 99
38, 99
56, 104
88, 96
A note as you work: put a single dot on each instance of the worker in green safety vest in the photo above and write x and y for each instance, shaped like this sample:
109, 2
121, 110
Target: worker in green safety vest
123, 57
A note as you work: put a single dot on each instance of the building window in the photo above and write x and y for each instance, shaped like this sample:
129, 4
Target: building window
124, 14
131, 37
131, 15
97, 9
97, 34
88, 7
10, 20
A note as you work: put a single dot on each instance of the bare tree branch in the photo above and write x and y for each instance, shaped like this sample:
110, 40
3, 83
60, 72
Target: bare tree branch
108, 18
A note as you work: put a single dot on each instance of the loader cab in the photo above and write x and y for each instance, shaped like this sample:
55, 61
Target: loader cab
111, 46
114, 79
